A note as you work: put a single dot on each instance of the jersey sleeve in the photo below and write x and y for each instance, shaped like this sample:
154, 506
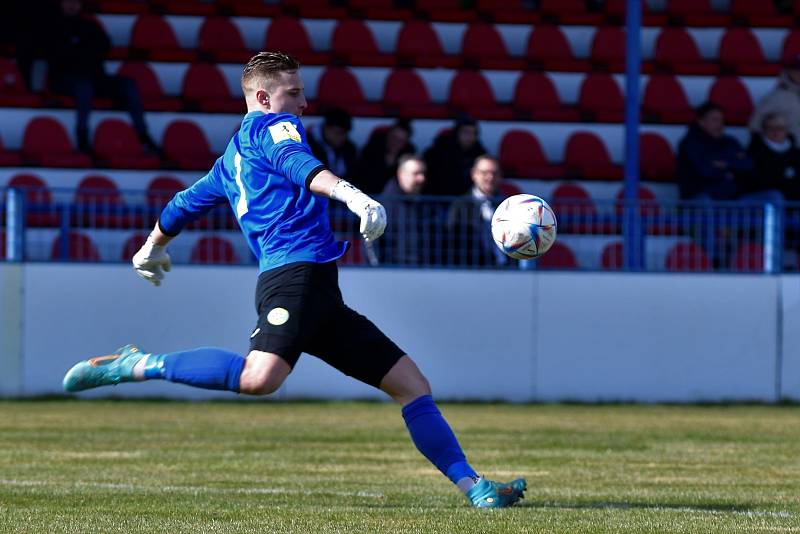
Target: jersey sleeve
191, 203
285, 146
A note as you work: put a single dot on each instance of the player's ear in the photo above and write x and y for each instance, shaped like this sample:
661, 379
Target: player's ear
262, 97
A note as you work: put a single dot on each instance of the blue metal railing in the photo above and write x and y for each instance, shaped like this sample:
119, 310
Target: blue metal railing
109, 226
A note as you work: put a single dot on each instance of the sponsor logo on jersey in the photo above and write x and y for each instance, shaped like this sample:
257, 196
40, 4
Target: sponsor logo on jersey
284, 131
278, 316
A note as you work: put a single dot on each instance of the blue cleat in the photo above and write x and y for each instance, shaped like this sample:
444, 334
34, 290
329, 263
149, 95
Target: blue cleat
103, 370
489, 494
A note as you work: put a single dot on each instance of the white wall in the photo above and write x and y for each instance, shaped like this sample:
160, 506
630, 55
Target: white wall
518, 336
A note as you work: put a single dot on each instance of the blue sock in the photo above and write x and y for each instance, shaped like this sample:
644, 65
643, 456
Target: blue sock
206, 367
435, 440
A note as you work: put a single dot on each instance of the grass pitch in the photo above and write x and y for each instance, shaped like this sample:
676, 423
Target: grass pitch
164, 467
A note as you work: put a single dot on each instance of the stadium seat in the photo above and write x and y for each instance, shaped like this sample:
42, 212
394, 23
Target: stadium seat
353, 44
665, 101
9, 158
289, 35
535, 97
127, 7
615, 13
648, 206
132, 245
521, 156
378, 10
470, 93
585, 156
213, 249
758, 14
612, 258
46, 144
508, 11
656, 158
601, 99
184, 7
152, 94
791, 46
687, 256
315, 9
40, 209
608, 50
575, 209
740, 53
405, 95
12, 87
560, 256
338, 87
98, 204
117, 145
569, 12
161, 190
508, 189
444, 11
205, 89
220, 41
186, 147
749, 258
733, 97
483, 47
548, 49
74, 246
419, 46
153, 39
695, 13
677, 52
250, 8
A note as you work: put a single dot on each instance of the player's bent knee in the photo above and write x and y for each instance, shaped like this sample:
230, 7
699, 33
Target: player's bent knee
405, 382
263, 373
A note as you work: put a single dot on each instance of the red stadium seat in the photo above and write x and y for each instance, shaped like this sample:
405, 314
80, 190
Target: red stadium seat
734, 99
615, 13
74, 246
791, 46
205, 89
419, 46
39, 200
378, 10
585, 156
483, 47
315, 9
560, 256
289, 35
213, 249
740, 53
47, 144
759, 14
612, 258
405, 95
184, 7
656, 158
132, 246
676, 52
535, 97
153, 96
687, 256
186, 147
749, 258
548, 49
665, 101
117, 145
445, 10
569, 12
509, 189
220, 41
9, 158
250, 8
648, 205
695, 13
505, 11
161, 190
152, 38
98, 204
601, 99
608, 49
338, 87
471, 93
98, 190
128, 7
353, 44
521, 156
574, 209
12, 87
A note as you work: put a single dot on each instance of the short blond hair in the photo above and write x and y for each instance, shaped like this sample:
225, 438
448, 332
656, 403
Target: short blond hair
266, 66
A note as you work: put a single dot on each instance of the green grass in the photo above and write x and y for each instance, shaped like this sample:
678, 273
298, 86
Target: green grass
153, 467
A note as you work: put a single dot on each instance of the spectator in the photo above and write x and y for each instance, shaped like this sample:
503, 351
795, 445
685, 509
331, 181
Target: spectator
76, 49
451, 159
380, 156
331, 145
776, 159
409, 241
470, 218
710, 163
784, 99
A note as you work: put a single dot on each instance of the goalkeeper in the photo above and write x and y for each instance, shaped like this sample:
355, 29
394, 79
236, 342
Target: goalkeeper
279, 193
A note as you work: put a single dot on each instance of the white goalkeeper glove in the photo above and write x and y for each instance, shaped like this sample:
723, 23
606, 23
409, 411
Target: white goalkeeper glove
152, 261
372, 214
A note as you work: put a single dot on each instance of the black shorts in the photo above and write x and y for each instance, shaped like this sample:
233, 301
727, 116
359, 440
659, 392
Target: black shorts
300, 309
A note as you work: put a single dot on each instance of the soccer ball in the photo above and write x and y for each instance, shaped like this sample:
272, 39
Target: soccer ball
524, 227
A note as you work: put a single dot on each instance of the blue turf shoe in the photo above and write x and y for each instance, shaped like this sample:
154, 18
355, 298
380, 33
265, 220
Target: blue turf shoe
489, 494
103, 370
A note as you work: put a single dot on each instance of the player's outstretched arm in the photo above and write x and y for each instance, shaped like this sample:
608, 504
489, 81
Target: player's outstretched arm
152, 260
372, 214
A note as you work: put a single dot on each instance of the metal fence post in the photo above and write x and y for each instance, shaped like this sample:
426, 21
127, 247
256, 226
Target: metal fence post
15, 224
773, 238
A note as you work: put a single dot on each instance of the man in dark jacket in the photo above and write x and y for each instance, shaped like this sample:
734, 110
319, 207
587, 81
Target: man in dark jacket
451, 157
330, 143
776, 158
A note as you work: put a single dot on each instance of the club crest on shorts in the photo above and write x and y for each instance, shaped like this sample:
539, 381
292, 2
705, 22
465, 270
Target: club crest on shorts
278, 316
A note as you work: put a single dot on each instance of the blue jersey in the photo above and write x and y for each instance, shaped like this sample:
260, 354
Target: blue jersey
264, 175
